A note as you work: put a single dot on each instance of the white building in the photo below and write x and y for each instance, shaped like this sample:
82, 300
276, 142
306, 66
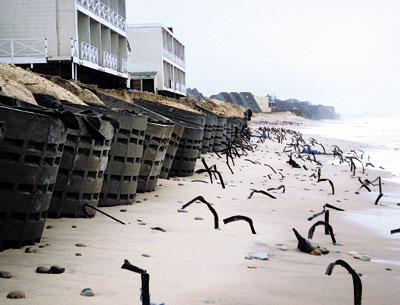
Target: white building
71, 38
157, 60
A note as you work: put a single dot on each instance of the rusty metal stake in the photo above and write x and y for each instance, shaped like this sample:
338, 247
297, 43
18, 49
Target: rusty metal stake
145, 296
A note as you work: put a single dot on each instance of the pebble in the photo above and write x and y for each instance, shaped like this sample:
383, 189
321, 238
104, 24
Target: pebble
31, 250
123, 210
388, 269
145, 199
87, 292
145, 255
5, 275
251, 267
259, 255
282, 248
180, 184
56, 270
16, 294
42, 246
198, 218
50, 227
142, 224
78, 254
365, 258
159, 229
80, 245
182, 211
176, 179
41, 269
138, 201
74, 227
156, 195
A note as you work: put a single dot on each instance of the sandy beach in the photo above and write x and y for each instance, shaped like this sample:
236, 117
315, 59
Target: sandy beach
193, 263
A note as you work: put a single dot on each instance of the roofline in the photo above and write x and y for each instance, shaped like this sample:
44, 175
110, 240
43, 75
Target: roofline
153, 25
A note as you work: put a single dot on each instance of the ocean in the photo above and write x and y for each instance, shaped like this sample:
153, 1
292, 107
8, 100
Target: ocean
381, 133
383, 136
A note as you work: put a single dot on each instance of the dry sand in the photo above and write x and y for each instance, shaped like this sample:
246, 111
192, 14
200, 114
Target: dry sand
36, 84
223, 108
192, 262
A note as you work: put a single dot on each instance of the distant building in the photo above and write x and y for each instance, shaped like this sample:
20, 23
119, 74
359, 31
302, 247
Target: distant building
264, 103
245, 99
79, 39
195, 94
157, 60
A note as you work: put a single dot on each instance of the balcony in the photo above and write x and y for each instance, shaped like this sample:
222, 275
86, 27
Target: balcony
110, 60
173, 58
89, 53
104, 12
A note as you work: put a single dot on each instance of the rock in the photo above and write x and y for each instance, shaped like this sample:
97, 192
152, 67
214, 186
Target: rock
176, 179
159, 229
156, 195
50, 227
259, 255
365, 258
251, 267
87, 292
142, 224
78, 254
31, 250
74, 227
5, 275
198, 218
182, 211
16, 294
138, 201
42, 246
145, 199
180, 184
42, 269
56, 270
81, 245
145, 255
388, 269
123, 210
282, 248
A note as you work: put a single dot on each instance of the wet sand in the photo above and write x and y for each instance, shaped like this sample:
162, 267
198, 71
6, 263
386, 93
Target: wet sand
192, 262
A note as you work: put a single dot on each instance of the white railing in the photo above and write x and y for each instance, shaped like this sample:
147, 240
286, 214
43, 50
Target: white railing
12, 48
176, 86
74, 48
172, 57
110, 60
124, 65
103, 11
89, 53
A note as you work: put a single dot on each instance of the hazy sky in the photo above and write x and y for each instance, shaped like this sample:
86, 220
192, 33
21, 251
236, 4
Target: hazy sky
344, 53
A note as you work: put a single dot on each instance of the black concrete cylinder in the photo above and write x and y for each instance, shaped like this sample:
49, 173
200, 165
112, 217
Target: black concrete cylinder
122, 172
31, 147
81, 173
156, 143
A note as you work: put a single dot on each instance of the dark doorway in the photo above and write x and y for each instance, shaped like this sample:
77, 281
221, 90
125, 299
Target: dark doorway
148, 85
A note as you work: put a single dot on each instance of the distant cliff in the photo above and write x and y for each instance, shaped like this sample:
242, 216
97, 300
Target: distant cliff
306, 110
